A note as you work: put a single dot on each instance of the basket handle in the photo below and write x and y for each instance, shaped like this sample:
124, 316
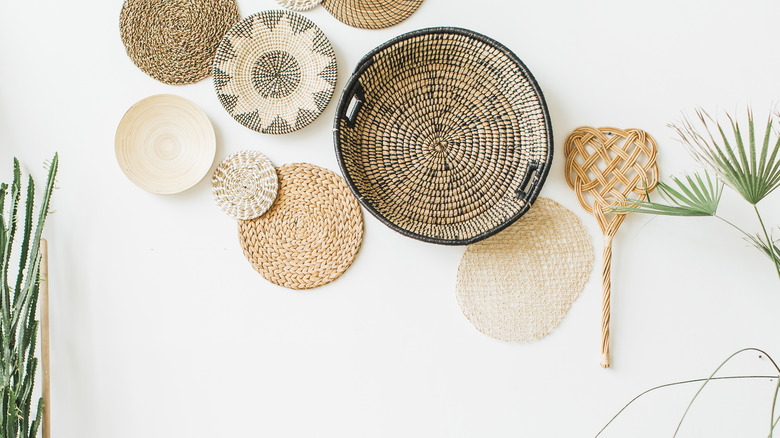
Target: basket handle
530, 175
354, 102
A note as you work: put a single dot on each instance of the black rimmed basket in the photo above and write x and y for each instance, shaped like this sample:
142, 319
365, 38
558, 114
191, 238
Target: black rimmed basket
444, 135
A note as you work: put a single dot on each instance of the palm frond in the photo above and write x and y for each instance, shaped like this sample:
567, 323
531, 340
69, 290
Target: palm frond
735, 157
697, 195
772, 251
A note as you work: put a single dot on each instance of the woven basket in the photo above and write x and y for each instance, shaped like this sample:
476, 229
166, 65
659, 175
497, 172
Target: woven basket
312, 232
298, 5
371, 14
443, 134
245, 185
275, 72
174, 41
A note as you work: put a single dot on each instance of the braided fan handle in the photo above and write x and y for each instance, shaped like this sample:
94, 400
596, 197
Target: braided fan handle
605, 300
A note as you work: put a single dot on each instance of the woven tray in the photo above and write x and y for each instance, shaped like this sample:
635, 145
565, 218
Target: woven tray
371, 14
165, 144
443, 134
298, 5
517, 286
275, 72
245, 184
175, 41
312, 232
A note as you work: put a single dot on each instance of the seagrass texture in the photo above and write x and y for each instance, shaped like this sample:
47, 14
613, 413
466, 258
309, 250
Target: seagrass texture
443, 134
371, 14
275, 72
165, 144
298, 5
312, 232
174, 41
605, 166
519, 284
245, 184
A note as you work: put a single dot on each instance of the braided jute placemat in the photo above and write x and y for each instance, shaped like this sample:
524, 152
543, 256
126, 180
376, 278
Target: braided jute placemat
298, 5
605, 166
174, 41
519, 284
311, 234
245, 184
275, 72
371, 14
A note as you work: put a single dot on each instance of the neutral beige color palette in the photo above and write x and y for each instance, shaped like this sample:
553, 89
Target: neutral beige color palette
519, 284
311, 234
165, 144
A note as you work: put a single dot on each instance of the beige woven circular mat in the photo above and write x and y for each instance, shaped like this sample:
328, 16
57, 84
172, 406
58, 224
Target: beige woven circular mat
371, 14
519, 284
298, 5
245, 185
311, 234
165, 144
275, 72
175, 41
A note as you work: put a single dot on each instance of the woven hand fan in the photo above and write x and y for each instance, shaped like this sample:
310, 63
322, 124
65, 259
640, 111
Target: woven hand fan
605, 166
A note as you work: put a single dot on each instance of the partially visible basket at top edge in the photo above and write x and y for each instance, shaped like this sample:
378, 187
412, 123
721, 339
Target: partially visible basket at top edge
443, 134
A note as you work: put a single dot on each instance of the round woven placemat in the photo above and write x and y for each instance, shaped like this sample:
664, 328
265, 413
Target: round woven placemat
444, 135
175, 41
298, 5
311, 234
245, 185
519, 284
165, 144
371, 14
275, 72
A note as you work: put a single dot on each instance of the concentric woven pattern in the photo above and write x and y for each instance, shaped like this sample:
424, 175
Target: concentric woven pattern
174, 41
519, 284
298, 5
165, 144
311, 234
245, 185
371, 14
275, 72
444, 135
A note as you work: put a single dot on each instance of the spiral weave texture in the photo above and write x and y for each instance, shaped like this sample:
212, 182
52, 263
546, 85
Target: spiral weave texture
444, 135
275, 72
311, 234
604, 166
298, 5
371, 14
519, 284
245, 185
174, 41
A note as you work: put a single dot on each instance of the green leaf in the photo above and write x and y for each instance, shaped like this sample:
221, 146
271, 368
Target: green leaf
692, 196
734, 157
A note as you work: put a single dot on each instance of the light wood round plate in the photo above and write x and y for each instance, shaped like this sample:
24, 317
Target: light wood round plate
165, 144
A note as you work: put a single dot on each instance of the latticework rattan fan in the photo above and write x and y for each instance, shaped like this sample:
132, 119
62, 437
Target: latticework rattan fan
443, 134
371, 14
605, 166
275, 72
174, 41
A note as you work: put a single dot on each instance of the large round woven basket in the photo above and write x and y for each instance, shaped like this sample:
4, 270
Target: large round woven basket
444, 135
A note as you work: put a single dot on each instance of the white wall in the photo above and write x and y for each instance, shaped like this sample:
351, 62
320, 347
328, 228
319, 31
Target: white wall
161, 328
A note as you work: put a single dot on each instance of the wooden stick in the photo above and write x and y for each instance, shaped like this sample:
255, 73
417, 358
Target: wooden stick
43, 300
